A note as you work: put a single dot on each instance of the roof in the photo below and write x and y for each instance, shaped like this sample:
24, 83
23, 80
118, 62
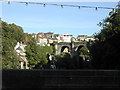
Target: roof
67, 34
54, 39
82, 35
49, 33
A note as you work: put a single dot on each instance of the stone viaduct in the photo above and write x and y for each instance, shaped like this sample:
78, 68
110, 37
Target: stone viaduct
72, 46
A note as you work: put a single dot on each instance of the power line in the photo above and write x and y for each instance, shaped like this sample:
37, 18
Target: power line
63, 5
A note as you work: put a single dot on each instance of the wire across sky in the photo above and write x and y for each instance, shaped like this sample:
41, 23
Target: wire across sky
64, 5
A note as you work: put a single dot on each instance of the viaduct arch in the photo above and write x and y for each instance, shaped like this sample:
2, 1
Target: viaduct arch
59, 47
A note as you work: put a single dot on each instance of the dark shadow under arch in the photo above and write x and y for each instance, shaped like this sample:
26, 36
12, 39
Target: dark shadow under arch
63, 48
79, 47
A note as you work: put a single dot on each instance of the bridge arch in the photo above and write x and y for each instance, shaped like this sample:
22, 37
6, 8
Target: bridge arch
79, 47
65, 49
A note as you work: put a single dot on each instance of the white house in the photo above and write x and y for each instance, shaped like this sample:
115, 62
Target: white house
42, 41
90, 38
67, 37
85, 38
20, 52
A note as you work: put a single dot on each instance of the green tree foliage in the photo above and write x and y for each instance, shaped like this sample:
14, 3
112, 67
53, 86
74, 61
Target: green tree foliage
67, 61
84, 52
106, 50
11, 34
64, 61
37, 55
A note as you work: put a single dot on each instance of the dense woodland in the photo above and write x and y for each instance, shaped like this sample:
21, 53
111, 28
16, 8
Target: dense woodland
104, 52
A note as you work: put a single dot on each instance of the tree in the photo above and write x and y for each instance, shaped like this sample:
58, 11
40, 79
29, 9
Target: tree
64, 61
84, 52
37, 55
106, 50
11, 34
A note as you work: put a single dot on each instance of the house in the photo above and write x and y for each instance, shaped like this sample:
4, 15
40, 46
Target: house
49, 35
90, 38
20, 52
67, 37
40, 35
52, 40
34, 35
42, 41
82, 37
85, 38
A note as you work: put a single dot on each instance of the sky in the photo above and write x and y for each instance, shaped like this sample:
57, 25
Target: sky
35, 18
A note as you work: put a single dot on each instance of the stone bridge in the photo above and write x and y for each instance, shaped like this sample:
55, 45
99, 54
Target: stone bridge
59, 47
